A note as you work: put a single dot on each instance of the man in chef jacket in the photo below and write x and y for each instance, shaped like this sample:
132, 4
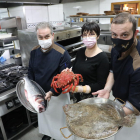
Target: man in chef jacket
124, 76
46, 61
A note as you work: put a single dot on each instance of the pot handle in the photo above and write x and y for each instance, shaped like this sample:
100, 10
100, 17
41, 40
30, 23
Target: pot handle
120, 100
63, 133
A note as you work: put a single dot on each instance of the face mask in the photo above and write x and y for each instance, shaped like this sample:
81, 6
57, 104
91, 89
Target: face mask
89, 41
122, 45
45, 44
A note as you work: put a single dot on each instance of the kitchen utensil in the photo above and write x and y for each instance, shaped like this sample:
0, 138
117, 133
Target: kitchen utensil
21, 95
109, 12
91, 101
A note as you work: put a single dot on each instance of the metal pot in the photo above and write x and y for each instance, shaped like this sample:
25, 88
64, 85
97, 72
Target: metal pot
18, 61
91, 101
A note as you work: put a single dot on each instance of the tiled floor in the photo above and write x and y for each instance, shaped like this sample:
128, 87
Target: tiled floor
33, 134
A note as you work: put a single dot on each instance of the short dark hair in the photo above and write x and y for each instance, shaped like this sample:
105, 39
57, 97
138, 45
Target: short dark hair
124, 17
90, 27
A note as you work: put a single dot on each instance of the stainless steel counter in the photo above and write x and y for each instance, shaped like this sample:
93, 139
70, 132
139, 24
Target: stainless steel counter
7, 94
59, 29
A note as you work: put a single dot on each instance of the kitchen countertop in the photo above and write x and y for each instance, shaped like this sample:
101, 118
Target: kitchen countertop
7, 94
57, 29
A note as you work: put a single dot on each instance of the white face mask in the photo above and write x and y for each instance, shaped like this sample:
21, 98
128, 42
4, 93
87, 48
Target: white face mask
45, 44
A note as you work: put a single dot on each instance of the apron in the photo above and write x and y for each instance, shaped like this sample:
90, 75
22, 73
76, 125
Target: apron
54, 118
130, 133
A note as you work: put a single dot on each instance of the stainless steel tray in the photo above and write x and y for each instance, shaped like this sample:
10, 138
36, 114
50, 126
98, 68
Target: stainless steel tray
21, 95
90, 101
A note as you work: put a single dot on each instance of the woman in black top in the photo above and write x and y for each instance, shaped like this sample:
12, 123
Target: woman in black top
91, 62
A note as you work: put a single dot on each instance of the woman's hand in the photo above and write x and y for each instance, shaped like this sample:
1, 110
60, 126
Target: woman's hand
48, 95
127, 111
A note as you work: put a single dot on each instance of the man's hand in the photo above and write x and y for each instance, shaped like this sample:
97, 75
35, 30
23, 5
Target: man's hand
102, 93
67, 69
48, 95
127, 111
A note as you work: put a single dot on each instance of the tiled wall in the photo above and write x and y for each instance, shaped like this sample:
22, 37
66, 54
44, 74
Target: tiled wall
55, 12
35, 14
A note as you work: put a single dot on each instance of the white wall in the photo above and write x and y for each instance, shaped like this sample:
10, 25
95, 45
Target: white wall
56, 12
3, 13
91, 7
35, 14
18, 12
31, 15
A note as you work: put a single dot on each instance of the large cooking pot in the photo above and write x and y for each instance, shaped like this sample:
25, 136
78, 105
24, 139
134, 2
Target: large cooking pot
91, 101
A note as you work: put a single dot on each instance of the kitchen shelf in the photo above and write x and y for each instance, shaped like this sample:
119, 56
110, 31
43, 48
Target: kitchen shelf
73, 45
23, 128
102, 16
6, 48
11, 135
78, 22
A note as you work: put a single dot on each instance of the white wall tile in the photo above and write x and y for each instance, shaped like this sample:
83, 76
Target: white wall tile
28, 13
35, 14
55, 12
27, 7
36, 7
45, 13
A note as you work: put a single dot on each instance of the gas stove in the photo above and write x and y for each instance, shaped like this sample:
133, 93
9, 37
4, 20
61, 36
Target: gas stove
10, 75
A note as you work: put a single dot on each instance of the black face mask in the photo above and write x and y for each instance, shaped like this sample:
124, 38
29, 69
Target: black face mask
122, 45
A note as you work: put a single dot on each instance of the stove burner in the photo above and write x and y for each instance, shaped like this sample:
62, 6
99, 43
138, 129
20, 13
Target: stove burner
10, 76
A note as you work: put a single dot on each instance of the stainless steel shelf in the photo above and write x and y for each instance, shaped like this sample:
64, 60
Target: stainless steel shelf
73, 45
104, 16
108, 33
7, 94
6, 48
77, 22
22, 129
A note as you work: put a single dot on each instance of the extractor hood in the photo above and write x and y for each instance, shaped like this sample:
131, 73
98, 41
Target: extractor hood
69, 1
31, 1
41, 1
